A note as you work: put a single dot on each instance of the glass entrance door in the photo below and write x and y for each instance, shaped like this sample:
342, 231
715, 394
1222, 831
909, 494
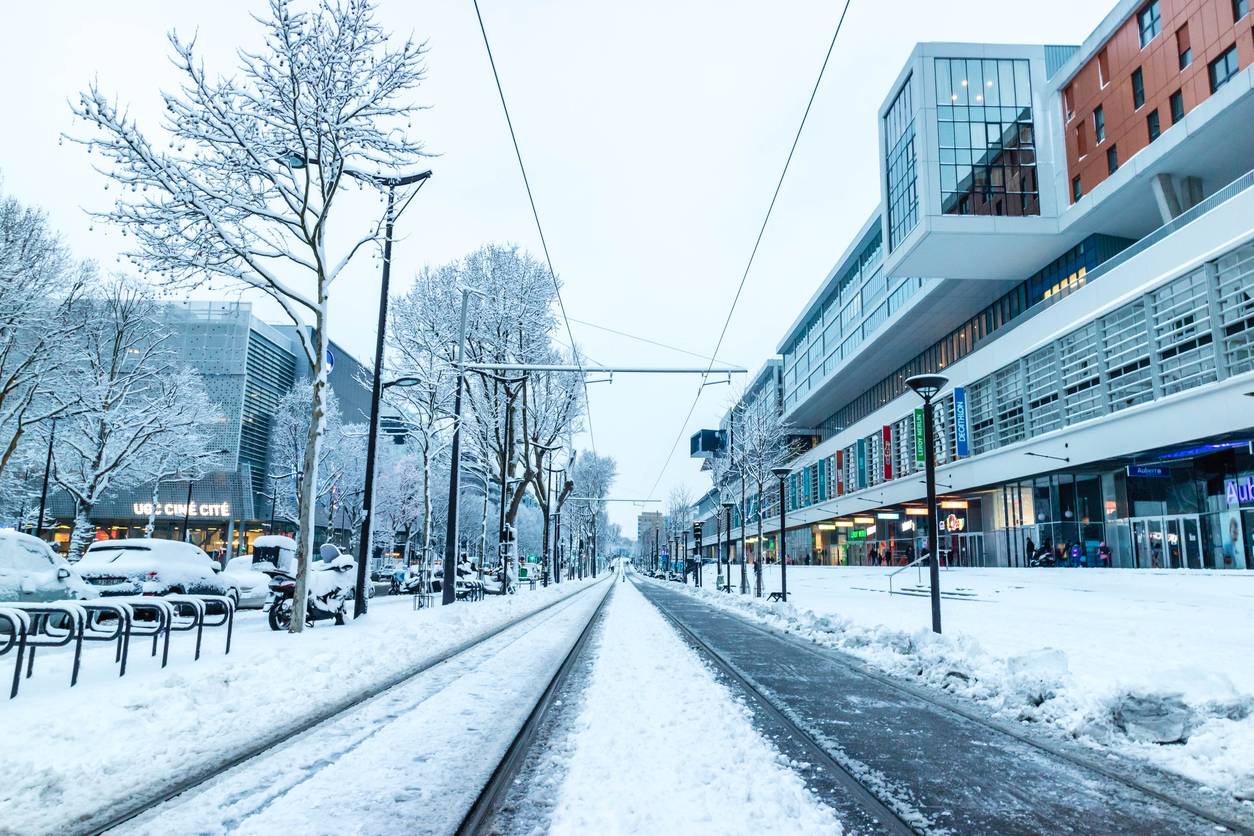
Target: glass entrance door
1167, 542
1192, 542
1173, 543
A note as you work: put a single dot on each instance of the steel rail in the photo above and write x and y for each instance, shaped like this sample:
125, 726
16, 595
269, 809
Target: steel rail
103, 823
887, 817
480, 817
1219, 819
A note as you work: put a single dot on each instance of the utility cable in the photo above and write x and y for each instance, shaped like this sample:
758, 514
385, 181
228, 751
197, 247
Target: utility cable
535, 214
753, 254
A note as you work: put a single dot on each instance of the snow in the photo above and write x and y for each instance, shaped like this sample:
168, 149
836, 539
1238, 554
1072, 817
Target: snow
659, 746
67, 753
402, 763
1129, 659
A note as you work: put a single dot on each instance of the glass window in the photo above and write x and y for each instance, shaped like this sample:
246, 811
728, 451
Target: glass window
1240, 8
903, 198
1149, 21
986, 139
1183, 47
1152, 126
1076, 190
1138, 88
1112, 159
1177, 106
1223, 68
1099, 125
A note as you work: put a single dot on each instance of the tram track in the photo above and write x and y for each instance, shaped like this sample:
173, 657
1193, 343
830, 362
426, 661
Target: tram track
147, 803
481, 816
894, 801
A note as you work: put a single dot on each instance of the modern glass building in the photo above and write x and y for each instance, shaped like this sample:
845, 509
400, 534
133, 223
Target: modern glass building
247, 367
1067, 235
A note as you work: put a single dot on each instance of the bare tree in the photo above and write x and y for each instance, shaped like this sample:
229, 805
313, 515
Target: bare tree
245, 181
130, 394
289, 440
678, 518
762, 442
182, 451
593, 476
40, 287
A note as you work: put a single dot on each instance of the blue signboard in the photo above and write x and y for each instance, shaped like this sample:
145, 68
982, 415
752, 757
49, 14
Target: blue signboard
861, 462
1149, 471
962, 440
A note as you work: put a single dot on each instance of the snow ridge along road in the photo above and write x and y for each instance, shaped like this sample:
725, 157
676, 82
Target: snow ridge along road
943, 768
410, 759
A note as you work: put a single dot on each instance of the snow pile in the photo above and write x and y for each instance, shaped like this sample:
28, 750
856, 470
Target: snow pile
659, 746
1188, 720
68, 753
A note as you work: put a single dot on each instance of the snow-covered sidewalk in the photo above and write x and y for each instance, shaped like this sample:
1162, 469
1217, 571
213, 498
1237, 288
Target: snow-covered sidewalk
66, 754
1130, 659
659, 746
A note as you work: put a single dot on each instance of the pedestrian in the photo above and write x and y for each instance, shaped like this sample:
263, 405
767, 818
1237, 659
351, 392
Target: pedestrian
1029, 548
1078, 556
1103, 555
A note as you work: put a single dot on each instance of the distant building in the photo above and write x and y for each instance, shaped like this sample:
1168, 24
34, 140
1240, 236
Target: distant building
648, 534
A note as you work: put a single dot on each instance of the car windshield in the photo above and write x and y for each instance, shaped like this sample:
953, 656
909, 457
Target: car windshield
20, 556
107, 553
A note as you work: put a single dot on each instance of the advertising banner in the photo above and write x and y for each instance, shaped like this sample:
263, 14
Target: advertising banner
919, 438
861, 463
962, 440
888, 452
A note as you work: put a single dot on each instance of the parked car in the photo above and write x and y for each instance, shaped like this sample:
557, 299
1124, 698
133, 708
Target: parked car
253, 584
153, 567
31, 571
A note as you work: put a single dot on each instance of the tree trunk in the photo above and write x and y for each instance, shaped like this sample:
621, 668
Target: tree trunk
84, 531
758, 552
309, 476
426, 501
152, 512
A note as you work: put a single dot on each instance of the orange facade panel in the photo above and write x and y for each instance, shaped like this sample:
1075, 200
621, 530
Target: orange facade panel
1101, 104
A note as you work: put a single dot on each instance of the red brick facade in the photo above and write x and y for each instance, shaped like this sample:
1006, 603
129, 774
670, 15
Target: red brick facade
1204, 26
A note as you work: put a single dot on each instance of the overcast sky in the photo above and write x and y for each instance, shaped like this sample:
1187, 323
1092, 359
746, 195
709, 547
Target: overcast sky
653, 133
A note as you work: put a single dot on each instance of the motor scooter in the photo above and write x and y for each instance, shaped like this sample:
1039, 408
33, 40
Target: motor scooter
328, 590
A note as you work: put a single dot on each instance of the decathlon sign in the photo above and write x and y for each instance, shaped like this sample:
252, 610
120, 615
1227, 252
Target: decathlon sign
962, 441
182, 509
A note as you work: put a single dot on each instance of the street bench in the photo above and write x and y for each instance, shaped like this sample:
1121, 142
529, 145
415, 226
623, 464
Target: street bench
775, 596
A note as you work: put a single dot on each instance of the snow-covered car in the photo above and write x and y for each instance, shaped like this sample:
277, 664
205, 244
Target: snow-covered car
253, 584
153, 567
31, 571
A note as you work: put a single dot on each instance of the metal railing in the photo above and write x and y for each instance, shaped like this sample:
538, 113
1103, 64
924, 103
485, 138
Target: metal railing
917, 564
31, 626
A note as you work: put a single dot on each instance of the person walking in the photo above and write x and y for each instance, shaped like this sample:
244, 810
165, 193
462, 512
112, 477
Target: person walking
1103, 555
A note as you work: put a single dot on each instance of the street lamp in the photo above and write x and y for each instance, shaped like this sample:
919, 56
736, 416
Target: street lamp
781, 473
728, 506
376, 389
187, 509
926, 386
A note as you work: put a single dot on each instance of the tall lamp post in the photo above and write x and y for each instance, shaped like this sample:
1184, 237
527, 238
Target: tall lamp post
376, 390
43, 493
926, 386
727, 507
781, 473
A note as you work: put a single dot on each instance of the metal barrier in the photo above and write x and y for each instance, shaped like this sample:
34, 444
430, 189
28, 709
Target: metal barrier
918, 563
113, 620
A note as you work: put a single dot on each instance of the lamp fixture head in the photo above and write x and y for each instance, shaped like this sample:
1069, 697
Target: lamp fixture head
927, 385
781, 473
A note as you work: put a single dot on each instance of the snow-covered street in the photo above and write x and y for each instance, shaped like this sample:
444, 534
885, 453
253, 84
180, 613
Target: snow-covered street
657, 745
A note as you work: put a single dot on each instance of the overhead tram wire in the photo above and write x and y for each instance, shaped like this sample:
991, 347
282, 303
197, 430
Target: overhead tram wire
757, 243
638, 338
535, 214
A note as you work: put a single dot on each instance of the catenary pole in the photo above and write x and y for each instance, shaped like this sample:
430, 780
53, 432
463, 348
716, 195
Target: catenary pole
448, 594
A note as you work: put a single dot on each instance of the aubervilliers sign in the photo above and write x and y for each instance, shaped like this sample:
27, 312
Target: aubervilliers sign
181, 509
